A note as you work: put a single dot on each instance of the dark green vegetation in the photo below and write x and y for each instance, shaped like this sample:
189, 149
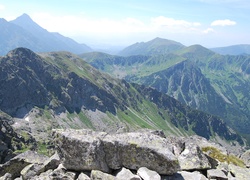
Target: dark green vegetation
24, 32
60, 90
194, 75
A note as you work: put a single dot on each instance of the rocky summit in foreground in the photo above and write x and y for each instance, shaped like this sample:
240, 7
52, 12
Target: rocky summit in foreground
142, 155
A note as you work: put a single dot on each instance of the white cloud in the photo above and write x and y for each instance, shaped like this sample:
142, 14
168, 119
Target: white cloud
225, 22
79, 24
83, 28
75, 25
209, 30
162, 22
2, 7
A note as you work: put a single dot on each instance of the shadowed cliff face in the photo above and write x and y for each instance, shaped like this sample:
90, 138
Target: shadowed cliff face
28, 81
185, 82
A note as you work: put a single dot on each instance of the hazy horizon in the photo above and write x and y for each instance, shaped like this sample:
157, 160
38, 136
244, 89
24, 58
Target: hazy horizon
209, 23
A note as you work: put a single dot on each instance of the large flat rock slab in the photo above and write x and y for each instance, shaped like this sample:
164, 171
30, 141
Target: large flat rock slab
82, 150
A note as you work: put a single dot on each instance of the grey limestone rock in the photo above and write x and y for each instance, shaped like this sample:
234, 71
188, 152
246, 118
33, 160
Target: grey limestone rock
126, 174
81, 150
134, 150
216, 174
83, 176
30, 171
185, 175
99, 175
147, 174
239, 173
7, 176
192, 158
246, 158
16, 164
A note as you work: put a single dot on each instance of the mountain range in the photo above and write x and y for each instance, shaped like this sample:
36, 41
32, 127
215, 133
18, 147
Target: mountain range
233, 50
60, 90
24, 32
194, 75
160, 84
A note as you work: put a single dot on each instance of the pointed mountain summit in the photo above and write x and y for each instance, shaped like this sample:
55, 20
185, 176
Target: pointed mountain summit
28, 24
154, 47
24, 32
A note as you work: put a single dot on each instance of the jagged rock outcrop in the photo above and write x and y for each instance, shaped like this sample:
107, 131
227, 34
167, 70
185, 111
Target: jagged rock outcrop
80, 153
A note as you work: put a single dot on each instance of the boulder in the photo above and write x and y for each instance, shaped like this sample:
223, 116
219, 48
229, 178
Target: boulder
59, 173
189, 153
192, 175
83, 176
126, 174
246, 158
185, 175
216, 174
16, 164
99, 175
81, 150
7, 176
140, 149
192, 158
239, 173
30, 171
147, 174
52, 163
42, 176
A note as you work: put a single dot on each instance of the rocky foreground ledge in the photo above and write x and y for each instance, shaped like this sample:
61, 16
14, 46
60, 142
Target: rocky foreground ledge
146, 155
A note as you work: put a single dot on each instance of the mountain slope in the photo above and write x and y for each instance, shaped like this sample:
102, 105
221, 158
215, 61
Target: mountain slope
153, 47
186, 83
24, 32
233, 50
132, 66
60, 90
198, 77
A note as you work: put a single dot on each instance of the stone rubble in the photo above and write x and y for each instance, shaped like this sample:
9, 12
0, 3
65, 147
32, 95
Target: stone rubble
89, 155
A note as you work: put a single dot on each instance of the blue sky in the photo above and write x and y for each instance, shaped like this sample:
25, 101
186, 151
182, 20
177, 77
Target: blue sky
211, 23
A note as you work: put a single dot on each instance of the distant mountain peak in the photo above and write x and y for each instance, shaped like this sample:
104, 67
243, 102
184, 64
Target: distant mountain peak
24, 32
153, 47
24, 18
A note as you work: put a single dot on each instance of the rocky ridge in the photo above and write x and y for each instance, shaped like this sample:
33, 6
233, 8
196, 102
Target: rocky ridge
142, 155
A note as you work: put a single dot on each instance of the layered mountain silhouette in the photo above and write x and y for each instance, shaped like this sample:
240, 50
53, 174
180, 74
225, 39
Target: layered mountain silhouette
24, 32
233, 50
